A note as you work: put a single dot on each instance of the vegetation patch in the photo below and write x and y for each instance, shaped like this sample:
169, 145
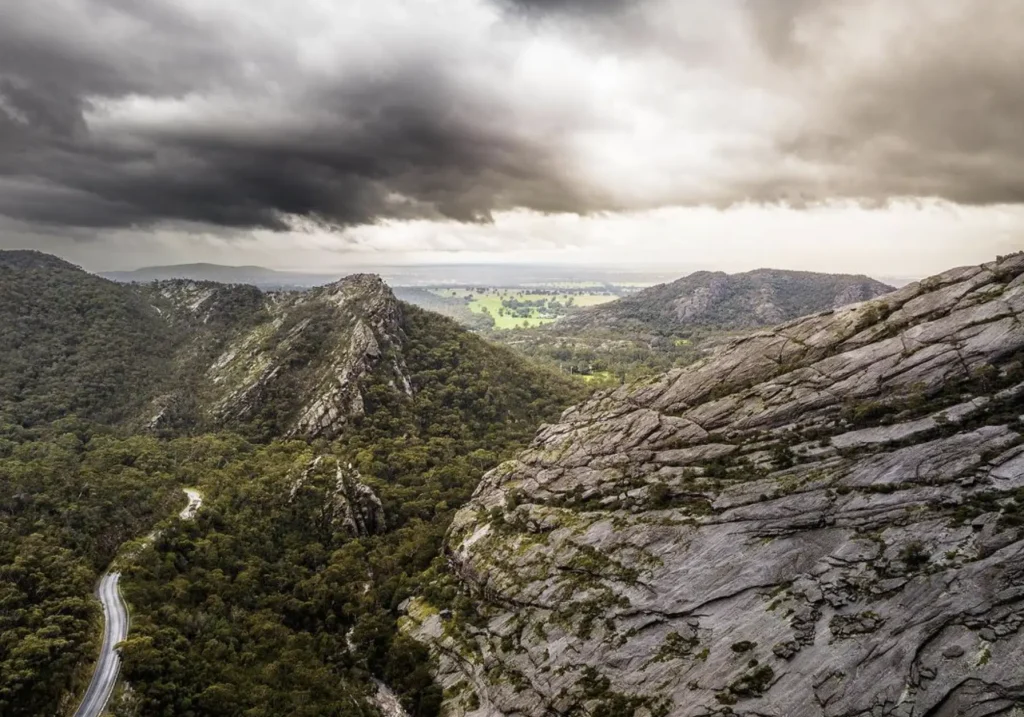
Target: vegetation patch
676, 647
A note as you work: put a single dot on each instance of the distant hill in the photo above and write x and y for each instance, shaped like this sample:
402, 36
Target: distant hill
676, 323
256, 275
719, 301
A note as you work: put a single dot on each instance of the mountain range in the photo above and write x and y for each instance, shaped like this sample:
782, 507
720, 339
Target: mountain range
823, 517
181, 353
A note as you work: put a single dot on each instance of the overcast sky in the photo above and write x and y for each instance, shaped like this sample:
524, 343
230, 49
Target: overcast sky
878, 136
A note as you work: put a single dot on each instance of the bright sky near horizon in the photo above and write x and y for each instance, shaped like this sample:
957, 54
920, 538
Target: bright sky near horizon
844, 135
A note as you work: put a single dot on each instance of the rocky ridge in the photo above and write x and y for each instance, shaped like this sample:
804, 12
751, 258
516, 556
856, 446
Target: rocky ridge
299, 360
823, 518
726, 301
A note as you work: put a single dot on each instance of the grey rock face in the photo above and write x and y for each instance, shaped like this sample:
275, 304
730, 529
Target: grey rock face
312, 355
343, 501
821, 519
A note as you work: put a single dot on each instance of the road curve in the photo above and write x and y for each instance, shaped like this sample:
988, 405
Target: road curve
115, 630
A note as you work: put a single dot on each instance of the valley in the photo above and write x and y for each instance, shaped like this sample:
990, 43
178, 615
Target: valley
517, 308
511, 358
332, 433
115, 629
389, 498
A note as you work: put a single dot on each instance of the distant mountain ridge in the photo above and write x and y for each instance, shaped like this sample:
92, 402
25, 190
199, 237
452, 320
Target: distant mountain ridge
718, 300
255, 275
409, 275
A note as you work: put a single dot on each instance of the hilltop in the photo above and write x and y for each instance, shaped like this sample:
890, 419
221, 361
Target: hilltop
723, 301
674, 324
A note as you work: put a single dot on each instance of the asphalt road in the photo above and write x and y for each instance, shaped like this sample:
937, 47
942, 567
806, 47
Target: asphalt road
115, 630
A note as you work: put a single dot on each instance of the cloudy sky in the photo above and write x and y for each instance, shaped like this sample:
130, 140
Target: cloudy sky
879, 136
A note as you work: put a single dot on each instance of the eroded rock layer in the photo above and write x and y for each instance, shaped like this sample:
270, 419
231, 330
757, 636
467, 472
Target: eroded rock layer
820, 519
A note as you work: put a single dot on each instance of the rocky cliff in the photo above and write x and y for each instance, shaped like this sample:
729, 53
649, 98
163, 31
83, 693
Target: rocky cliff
294, 362
342, 500
310, 357
823, 518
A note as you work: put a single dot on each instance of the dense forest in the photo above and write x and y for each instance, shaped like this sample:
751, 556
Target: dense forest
258, 608
266, 603
70, 495
74, 343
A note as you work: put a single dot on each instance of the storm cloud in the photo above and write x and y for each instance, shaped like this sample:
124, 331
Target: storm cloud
116, 113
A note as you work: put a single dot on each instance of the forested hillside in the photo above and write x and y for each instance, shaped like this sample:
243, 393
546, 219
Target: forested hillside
333, 433
274, 583
75, 343
70, 495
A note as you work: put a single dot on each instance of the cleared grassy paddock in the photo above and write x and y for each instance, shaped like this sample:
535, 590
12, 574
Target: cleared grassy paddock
490, 301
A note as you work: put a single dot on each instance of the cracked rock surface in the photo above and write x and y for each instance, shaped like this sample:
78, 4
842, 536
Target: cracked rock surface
821, 519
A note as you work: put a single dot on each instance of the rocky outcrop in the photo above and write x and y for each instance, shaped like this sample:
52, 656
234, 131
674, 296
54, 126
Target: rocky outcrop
375, 331
820, 519
311, 356
343, 501
291, 363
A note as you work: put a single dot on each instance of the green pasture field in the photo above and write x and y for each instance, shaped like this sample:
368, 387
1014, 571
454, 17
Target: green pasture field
490, 300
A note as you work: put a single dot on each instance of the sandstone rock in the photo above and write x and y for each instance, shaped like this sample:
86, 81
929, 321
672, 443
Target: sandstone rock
312, 357
953, 651
835, 496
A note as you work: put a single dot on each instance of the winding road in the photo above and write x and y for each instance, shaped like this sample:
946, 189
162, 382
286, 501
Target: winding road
115, 630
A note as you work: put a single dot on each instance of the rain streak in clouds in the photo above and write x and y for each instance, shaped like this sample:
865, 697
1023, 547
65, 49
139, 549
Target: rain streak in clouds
274, 114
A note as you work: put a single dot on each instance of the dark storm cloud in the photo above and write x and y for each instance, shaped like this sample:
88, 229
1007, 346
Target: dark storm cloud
116, 113
407, 141
386, 151
775, 24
